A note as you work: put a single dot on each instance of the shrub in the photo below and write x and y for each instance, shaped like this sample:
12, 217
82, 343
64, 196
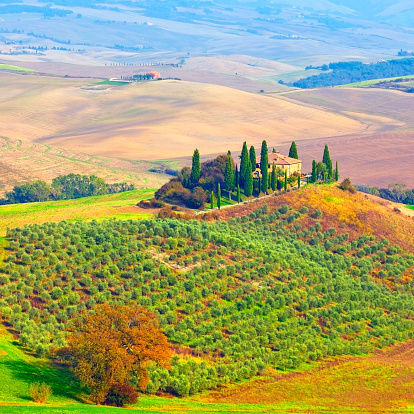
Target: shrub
40, 392
121, 394
284, 209
347, 186
317, 214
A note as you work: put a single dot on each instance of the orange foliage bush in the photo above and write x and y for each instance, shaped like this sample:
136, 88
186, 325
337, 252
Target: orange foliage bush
106, 347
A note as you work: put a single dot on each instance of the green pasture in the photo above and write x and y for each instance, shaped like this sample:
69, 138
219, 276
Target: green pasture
112, 83
373, 82
15, 68
18, 370
120, 205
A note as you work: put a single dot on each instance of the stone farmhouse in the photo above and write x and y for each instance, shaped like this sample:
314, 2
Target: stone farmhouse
285, 163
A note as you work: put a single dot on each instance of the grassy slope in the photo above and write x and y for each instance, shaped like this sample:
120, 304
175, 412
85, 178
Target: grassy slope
372, 383
380, 382
121, 205
374, 81
18, 370
347, 384
15, 68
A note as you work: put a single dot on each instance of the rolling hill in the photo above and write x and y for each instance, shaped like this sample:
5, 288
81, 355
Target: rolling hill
324, 283
156, 120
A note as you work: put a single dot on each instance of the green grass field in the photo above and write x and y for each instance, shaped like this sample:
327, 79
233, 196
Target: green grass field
121, 205
112, 83
19, 369
15, 68
373, 82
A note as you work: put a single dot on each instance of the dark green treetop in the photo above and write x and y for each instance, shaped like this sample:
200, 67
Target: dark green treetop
244, 170
293, 151
196, 166
229, 174
252, 156
248, 186
264, 164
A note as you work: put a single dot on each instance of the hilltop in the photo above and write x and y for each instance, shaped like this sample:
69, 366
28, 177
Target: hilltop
314, 274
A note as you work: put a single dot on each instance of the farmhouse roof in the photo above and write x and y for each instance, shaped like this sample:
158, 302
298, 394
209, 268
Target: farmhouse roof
279, 159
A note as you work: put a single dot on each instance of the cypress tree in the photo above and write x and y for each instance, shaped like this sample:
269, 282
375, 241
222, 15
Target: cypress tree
196, 167
298, 181
285, 180
219, 197
252, 156
244, 170
264, 163
326, 157
273, 179
238, 194
330, 171
212, 200
248, 187
293, 151
229, 175
236, 176
336, 172
314, 172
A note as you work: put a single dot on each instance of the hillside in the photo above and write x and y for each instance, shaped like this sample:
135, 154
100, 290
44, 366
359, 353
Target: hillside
370, 384
52, 126
297, 285
364, 156
135, 121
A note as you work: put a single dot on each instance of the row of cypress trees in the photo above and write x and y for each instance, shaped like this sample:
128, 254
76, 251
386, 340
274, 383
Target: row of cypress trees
243, 178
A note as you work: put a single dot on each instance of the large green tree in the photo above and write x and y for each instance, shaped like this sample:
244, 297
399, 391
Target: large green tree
229, 174
326, 156
244, 162
314, 172
264, 165
196, 166
248, 186
330, 170
273, 179
218, 196
293, 151
252, 156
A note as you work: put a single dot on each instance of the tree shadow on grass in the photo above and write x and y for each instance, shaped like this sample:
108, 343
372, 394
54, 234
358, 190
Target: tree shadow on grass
61, 381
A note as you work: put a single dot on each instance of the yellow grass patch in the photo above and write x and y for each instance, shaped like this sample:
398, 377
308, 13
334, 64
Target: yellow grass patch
382, 381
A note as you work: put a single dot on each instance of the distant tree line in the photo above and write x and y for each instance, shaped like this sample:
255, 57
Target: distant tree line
350, 72
63, 187
405, 53
397, 192
47, 11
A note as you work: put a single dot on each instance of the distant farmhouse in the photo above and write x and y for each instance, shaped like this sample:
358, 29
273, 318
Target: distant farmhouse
291, 165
